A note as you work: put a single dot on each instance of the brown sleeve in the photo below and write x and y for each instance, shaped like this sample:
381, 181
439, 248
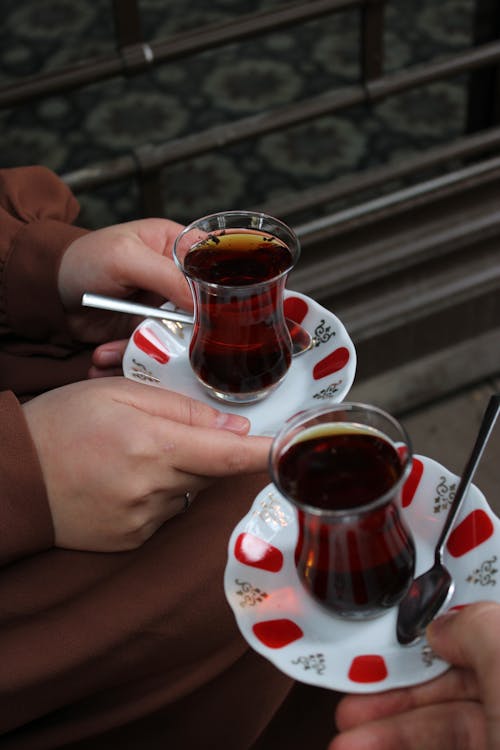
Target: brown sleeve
25, 519
36, 214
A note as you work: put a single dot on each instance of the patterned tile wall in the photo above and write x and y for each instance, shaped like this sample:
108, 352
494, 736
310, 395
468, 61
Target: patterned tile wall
107, 119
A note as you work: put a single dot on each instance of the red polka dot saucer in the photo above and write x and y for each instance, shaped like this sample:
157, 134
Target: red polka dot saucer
157, 354
282, 622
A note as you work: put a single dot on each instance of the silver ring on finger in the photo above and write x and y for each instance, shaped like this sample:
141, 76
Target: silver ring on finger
188, 499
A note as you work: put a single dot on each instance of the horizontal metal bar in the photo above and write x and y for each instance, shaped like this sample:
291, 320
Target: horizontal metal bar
430, 376
135, 58
102, 173
463, 148
250, 25
180, 149
369, 318
406, 196
403, 249
148, 157
67, 79
419, 75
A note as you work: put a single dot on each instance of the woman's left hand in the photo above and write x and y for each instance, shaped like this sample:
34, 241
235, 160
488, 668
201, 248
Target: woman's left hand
132, 260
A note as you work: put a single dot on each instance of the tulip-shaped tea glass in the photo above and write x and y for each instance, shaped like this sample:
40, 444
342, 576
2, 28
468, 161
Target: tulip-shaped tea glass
343, 468
236, 263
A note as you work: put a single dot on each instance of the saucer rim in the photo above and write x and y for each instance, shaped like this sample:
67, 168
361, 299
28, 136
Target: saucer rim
259, 426
391, 652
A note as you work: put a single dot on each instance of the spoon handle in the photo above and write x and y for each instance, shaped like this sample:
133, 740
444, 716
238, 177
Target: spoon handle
302, 341
135, 308
487, 424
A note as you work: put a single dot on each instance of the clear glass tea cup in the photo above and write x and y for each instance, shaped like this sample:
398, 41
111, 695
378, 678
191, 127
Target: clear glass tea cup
343, 468
237, 263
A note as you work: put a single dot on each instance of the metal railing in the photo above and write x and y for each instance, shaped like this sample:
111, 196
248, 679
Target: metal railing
145, 162
379, 243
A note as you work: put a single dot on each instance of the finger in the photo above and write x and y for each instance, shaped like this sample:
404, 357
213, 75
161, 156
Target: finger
163, 505
110, 354
159, 234
178, 408
470, 638
178, 484
455, 684
149, 512
156, 273
212, 452
442, 726
152, 511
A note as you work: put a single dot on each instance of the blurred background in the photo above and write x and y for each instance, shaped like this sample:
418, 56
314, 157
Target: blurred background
371, 126
182, 92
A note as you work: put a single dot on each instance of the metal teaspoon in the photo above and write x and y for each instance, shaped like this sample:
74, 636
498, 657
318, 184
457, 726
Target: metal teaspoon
302, 340
430, 591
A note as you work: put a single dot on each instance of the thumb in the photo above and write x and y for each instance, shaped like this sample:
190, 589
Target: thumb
470, 638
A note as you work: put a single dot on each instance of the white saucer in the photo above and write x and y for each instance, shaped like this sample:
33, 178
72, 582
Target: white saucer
282, 622
157, 353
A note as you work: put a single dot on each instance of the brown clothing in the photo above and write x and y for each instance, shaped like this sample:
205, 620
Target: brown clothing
36, 211
129, 650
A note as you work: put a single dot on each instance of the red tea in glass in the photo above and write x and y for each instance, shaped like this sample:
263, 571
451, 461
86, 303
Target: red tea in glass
240, 348
354, 554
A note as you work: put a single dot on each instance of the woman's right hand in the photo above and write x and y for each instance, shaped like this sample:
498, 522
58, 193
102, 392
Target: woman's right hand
118, 457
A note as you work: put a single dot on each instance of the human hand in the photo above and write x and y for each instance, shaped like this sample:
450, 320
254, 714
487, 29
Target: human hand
107, 359
457, 711
125, 260
118, 457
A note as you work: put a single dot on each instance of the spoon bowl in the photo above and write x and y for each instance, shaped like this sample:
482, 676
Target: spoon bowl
430, 591
425, 597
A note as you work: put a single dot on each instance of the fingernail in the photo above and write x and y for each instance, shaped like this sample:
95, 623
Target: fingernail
232, 422
107, 357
